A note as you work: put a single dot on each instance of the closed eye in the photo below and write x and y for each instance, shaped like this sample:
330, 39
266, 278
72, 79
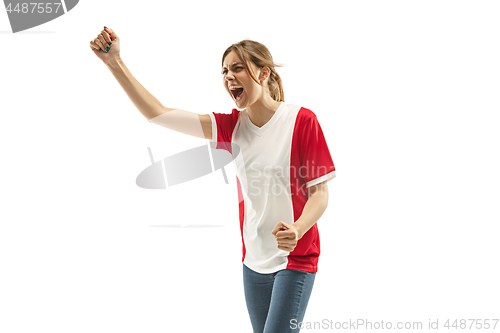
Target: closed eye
236, 69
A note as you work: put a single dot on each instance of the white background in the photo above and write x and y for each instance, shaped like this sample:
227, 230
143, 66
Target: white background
406, 93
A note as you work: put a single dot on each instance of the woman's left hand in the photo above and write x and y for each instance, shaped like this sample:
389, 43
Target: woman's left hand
286, 235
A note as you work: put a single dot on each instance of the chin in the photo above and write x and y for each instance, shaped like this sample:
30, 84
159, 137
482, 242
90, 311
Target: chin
240, 104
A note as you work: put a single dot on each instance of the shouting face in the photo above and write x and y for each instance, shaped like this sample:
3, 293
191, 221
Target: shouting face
238, 82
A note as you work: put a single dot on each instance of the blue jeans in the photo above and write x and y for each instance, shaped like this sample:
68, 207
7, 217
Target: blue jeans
277, 302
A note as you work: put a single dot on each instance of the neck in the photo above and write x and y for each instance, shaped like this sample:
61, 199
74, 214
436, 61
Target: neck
262, 110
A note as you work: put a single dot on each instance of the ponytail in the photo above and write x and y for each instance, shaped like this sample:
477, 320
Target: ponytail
276, 86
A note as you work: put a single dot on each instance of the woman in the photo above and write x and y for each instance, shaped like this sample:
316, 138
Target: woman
282, 170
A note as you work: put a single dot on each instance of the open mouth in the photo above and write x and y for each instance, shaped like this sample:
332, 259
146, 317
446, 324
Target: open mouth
237, 92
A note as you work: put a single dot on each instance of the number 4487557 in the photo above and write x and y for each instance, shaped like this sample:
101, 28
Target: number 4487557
471, 323
24, 7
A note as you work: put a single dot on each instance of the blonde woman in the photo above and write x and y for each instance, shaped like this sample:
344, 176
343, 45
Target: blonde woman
282, 170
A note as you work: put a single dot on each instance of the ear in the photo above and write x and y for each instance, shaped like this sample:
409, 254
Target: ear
264, 73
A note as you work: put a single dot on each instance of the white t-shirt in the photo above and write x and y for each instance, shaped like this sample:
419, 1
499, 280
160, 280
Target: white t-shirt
275, 166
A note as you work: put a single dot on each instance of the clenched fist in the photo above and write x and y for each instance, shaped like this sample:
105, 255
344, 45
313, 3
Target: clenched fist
106, 45
286, 235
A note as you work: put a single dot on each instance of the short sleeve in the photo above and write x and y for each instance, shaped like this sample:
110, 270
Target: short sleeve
222, 128
315, 159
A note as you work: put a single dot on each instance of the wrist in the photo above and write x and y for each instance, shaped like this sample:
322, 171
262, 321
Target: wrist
300, 229
113, 62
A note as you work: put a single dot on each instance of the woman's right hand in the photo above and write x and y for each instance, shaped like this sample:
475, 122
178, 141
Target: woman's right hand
102, 41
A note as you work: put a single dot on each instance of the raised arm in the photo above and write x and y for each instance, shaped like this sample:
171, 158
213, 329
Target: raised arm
178, 120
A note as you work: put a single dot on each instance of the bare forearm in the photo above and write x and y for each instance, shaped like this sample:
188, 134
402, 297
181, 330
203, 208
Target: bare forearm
146, 103
315, 207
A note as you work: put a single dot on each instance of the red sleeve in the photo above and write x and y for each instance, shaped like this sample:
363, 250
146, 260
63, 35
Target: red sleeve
315, 159
222, 128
